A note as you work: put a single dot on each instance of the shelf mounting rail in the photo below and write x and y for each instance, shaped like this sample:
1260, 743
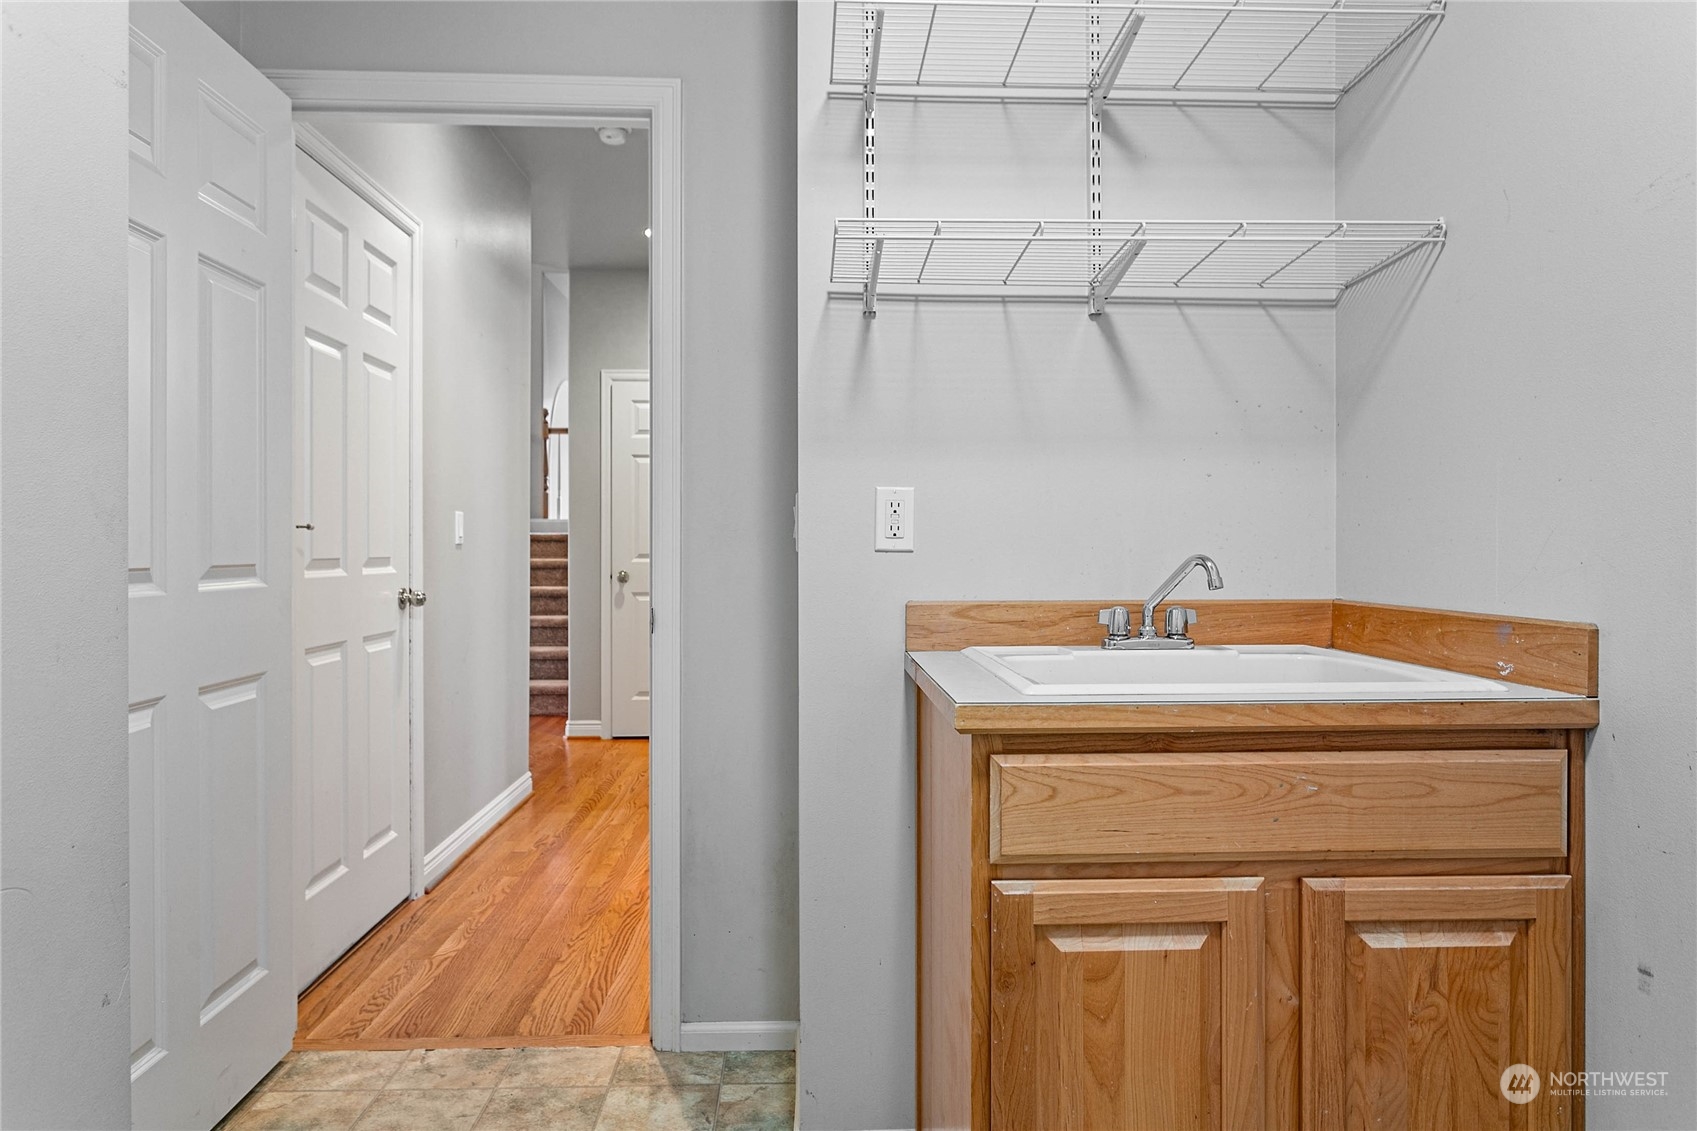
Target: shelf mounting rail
871, 41
1104, 70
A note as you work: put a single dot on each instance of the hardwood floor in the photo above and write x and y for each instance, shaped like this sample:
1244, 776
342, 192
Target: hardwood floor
539, 936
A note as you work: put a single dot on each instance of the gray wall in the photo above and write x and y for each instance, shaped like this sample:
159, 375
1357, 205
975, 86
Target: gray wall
609, 331
1052, 455
736, 61
475, 207
64, 891
1516, 430
536, 399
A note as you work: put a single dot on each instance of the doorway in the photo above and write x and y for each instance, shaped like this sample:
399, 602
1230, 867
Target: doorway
248, 946
560, 950
542, 101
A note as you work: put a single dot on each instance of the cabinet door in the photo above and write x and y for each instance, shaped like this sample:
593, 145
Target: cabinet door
1126, 1005
1419, 994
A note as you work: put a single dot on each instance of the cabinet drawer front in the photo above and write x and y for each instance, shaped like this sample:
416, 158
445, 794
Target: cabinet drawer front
1454, 803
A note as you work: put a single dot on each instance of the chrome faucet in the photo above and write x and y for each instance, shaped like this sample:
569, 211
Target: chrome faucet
1118, 619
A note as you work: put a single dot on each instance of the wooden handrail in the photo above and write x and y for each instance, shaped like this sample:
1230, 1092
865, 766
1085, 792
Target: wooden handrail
547, 431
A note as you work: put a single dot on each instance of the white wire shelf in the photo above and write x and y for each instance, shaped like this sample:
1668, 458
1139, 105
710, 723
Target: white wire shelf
1166, 48
1098, 259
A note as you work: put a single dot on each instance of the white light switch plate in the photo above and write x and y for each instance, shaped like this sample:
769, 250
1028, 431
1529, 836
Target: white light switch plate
459, 528
892, 530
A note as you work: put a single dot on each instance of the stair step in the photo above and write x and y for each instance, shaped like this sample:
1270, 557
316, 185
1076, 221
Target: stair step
546, 630
548, 600
549, 662
552, 546
549, 696
547, 571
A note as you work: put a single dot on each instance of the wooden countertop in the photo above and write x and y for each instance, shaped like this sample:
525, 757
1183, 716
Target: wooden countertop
1559, 656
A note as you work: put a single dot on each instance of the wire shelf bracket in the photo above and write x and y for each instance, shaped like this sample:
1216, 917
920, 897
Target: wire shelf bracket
1108, 281
1110, 70
1247, 261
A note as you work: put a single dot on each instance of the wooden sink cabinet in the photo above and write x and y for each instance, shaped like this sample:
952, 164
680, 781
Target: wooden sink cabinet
1316, 916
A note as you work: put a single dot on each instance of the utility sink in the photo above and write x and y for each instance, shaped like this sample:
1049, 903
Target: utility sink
1231, 674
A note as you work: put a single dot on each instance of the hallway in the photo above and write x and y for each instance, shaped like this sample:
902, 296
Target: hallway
538, 937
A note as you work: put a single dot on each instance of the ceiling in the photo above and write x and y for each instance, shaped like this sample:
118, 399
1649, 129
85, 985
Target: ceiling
588, 200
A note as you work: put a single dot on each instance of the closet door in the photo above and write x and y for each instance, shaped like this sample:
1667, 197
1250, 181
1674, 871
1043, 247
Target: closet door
212, 988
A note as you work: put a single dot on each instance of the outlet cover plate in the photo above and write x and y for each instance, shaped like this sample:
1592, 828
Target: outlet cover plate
892, 529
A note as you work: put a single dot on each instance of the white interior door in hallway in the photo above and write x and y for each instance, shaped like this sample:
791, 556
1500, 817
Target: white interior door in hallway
353, 394
626, 619
212, 991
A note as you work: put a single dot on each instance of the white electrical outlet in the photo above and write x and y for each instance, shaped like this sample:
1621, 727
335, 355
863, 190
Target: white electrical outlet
893, 530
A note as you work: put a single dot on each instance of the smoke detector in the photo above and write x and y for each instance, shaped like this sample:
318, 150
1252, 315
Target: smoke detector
612, 135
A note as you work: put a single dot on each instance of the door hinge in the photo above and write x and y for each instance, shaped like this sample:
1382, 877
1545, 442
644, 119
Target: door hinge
651, 622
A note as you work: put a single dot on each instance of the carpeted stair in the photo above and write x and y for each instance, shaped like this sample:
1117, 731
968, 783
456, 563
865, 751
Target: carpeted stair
549, 671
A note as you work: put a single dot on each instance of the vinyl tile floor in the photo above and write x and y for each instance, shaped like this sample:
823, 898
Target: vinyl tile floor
560, 1089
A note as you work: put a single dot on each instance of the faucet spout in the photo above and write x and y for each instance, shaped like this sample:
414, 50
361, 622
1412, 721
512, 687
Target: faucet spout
1146, 631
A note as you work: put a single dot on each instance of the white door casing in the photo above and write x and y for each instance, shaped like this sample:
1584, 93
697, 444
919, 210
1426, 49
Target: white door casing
352, 441
626, 489
211, 934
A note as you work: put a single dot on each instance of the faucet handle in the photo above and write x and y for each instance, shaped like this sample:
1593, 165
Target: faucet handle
1179, 618
1118, 620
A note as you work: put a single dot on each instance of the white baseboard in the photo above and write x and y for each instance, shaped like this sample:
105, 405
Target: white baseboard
441, 859
583, 728
737, 1036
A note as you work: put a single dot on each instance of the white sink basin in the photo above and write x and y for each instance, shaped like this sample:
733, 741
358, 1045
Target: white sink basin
1242, 673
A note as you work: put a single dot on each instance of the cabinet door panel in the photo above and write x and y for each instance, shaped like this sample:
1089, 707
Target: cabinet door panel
1419, 993
1122, 1005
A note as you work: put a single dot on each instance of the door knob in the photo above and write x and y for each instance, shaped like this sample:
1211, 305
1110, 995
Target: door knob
624, 576
411, 597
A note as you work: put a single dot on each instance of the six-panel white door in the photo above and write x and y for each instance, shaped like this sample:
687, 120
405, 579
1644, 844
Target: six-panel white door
211, 937
353, 388
625, 526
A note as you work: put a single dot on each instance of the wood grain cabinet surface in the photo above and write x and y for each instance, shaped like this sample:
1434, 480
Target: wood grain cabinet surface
1326, 928
1416, 990
1126, 1003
